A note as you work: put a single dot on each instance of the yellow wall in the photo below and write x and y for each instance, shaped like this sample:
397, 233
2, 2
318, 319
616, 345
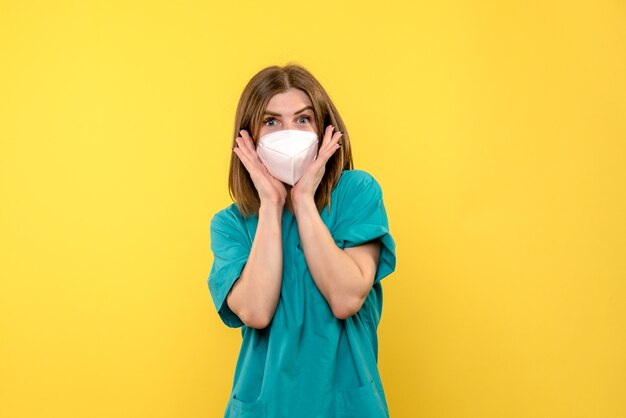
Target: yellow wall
496, 130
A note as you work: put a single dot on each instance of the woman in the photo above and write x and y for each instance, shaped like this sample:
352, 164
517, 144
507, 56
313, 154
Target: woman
299, 256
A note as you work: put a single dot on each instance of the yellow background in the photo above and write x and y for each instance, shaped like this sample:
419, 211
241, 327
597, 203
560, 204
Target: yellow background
496, 130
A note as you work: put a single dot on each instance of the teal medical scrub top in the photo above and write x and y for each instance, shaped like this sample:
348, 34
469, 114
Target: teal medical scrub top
307, 363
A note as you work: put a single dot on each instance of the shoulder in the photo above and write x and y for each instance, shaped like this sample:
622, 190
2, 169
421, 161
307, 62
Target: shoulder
227, 219
358, 181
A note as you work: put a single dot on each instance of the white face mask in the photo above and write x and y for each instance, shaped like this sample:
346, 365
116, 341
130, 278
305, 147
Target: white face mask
287, 153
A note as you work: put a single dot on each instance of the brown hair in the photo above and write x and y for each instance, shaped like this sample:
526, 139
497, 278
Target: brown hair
252, 103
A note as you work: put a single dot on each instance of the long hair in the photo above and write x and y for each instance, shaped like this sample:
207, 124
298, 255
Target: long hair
252, 105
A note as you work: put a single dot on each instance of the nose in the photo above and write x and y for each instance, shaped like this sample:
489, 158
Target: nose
294, 125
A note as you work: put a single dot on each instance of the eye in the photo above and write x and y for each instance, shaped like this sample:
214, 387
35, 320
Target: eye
269, 122
306, 118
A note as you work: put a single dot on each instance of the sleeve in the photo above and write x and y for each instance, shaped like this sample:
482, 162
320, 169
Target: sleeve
230, 254
362, 217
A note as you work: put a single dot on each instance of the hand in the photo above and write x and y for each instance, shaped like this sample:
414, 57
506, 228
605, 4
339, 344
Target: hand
270, 189
310, 180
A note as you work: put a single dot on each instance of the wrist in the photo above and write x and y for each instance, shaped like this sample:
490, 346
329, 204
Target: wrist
277, 201
272, 214
303, 203
272, 206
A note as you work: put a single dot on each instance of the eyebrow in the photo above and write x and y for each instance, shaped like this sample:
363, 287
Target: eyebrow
267, 112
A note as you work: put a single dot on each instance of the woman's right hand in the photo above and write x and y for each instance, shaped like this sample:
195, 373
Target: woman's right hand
271, 190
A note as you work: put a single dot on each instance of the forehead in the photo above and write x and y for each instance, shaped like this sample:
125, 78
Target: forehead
288, 101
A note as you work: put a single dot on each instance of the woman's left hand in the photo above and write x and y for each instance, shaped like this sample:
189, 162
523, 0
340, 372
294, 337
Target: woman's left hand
310, 180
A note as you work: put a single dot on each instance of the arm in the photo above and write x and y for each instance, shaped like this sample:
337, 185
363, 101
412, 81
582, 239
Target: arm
254, 296
344, 277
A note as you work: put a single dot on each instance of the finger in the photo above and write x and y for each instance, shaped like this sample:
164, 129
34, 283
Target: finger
242, 143
250, 147
328, 133
252, 158
332, 142
252, 162
248, 141
339, 140
325, 139
335, 139
243, 158
333, 145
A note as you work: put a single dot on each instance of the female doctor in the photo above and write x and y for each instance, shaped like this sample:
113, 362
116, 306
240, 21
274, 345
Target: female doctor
299, 256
